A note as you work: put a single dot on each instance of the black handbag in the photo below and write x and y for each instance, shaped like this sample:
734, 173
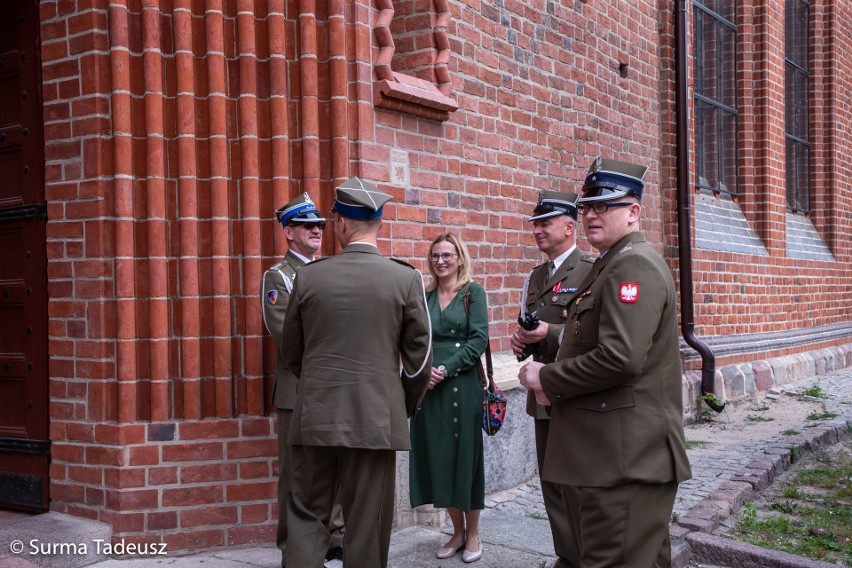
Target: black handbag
494, 401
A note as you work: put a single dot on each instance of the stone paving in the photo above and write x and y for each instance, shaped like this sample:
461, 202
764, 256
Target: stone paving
710, 468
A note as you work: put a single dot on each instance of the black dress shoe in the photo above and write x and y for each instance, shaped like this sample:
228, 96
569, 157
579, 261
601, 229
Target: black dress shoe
335, 553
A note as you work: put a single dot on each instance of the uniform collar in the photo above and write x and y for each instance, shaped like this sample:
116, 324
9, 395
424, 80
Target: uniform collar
557, 262
361, 246
298, 257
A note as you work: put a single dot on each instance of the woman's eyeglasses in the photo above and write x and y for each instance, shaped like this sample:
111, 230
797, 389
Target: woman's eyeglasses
599, 207
445, 256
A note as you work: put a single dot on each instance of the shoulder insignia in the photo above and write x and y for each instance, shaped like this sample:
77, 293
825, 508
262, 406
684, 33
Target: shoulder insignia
628, 292
626, 249
278, 264
588, 258
272, 296
402, 262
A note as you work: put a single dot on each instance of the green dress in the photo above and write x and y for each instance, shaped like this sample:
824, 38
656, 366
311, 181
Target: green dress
446, 465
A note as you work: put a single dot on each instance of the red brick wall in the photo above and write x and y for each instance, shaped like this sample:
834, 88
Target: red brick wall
744, 294
174, 129
540, 95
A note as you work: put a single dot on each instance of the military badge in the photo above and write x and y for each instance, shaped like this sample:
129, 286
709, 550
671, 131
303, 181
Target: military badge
628, 292
558, 290
272, 296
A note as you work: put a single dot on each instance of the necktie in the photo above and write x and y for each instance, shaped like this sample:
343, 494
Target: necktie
550, 269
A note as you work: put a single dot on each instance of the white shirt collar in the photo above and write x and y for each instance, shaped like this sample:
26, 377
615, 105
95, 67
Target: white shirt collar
304, 259
557, 262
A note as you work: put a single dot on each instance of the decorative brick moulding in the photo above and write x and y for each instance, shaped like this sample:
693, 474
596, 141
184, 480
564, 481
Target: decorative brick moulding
405, 93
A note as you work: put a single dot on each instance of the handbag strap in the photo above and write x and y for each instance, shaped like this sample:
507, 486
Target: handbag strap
489, 369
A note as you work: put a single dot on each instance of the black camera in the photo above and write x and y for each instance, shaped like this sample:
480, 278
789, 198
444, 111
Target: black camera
528, 321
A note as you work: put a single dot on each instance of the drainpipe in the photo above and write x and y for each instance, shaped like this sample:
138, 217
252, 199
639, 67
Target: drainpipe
687, 312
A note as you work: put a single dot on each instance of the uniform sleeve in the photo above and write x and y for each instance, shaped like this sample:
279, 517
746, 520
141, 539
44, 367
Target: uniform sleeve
274, 297
625, 333
477, 338
415, 345
291, 350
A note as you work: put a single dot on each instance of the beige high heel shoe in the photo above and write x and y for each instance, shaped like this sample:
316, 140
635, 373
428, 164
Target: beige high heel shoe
468, 557
449, 551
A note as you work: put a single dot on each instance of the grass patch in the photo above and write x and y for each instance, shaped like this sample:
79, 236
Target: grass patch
537, 516
692, 444
761, 408
759, 419
815, 391
817, 523
821, 416
791, 432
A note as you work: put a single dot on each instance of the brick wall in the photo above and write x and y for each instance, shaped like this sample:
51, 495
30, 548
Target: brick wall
174, 129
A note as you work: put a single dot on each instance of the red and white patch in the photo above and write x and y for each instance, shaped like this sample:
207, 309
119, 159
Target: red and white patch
628, 292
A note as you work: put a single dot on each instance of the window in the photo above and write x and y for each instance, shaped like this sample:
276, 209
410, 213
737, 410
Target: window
716, 95
796, 83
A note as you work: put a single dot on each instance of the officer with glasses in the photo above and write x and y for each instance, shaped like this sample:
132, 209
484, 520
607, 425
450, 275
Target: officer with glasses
616, 444
303, 228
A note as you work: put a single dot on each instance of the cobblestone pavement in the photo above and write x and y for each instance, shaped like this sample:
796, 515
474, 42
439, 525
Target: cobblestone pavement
710, 467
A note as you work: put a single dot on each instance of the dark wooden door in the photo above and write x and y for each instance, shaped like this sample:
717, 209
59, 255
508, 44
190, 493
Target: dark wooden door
24, 439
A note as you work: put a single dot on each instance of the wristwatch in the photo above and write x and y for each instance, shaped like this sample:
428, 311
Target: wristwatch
443, 370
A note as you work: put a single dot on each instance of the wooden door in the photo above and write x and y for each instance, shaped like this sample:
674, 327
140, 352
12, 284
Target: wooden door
24, 439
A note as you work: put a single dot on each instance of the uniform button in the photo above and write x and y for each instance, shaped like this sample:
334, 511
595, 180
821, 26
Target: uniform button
558, 396
455, 389
455, 404
541, 304
603, 405
455, 419
458, 344
452, 331
554, 299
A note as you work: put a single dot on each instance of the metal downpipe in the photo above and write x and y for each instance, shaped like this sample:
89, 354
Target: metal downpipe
687, 311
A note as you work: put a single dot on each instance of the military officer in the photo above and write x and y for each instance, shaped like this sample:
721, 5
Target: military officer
359, 341
616, 443
549, 291
303, 228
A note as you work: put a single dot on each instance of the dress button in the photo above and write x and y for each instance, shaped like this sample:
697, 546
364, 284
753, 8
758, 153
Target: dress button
452, 331
455, 404
458, 344
456, 434
541, 304
603, 405
455, 419
455, 389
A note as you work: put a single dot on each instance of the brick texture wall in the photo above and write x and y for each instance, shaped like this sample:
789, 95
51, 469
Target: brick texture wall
174, 128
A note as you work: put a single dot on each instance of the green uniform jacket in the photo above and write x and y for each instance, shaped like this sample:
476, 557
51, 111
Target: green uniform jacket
275, 296
616, 383
549, 299
359, 341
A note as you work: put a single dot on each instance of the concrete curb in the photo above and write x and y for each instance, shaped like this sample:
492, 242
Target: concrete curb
727, 552
695, 528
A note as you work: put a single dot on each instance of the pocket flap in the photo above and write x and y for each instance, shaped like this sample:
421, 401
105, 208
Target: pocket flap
605, 401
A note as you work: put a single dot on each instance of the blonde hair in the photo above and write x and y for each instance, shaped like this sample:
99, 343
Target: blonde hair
464, 275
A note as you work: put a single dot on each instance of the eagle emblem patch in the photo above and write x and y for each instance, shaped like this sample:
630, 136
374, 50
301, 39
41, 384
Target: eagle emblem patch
272, 296
628, 292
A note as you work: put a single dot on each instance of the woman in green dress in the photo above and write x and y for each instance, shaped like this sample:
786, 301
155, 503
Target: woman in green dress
446, 459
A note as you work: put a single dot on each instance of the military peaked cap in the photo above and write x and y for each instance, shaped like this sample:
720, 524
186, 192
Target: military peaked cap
553, 203
359, 199
300, 210
610, 179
